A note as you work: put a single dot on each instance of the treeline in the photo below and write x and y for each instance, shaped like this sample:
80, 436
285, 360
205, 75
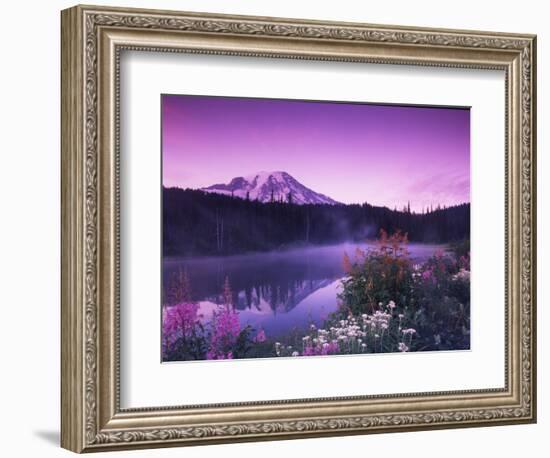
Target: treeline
198, 223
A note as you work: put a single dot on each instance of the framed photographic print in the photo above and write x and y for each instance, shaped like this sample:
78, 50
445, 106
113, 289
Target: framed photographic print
278, 228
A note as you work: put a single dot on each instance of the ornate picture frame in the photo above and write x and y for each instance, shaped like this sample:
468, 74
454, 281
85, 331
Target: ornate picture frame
93, 39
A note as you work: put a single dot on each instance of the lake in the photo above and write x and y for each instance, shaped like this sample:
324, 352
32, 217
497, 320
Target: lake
276, 291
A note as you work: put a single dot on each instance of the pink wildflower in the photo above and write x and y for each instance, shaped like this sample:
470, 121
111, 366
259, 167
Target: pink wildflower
226, 330
178, 321
260, 337
402, 347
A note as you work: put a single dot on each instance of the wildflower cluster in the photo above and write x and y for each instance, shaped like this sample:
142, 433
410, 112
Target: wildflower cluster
179, 322
377, 275
435, 294
380, 331
224, 334
387, 304
440, 297
187, 336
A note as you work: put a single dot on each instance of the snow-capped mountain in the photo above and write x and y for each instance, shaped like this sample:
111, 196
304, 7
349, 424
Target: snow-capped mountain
270, 187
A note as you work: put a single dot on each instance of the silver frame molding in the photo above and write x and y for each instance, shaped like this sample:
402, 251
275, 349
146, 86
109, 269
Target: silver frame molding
92, 40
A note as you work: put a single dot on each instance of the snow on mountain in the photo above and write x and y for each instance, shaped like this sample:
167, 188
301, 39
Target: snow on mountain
270, 187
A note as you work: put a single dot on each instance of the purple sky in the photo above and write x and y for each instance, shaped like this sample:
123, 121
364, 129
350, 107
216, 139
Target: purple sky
354, 153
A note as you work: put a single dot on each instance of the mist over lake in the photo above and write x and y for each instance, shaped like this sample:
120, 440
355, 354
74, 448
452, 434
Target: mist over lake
279, 290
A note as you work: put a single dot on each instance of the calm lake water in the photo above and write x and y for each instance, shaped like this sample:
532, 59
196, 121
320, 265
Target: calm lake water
276, 291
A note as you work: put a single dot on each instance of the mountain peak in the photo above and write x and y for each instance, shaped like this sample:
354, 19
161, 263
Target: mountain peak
270, 186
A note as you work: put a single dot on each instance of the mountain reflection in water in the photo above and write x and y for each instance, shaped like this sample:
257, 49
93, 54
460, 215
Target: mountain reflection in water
277, 291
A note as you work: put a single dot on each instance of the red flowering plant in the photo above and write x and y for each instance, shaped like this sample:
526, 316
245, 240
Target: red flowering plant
377, 275
432, 297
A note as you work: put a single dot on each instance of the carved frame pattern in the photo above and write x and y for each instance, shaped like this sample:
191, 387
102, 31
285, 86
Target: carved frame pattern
82, 403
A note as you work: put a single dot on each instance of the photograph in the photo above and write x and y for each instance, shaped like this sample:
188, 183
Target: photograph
299, 228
